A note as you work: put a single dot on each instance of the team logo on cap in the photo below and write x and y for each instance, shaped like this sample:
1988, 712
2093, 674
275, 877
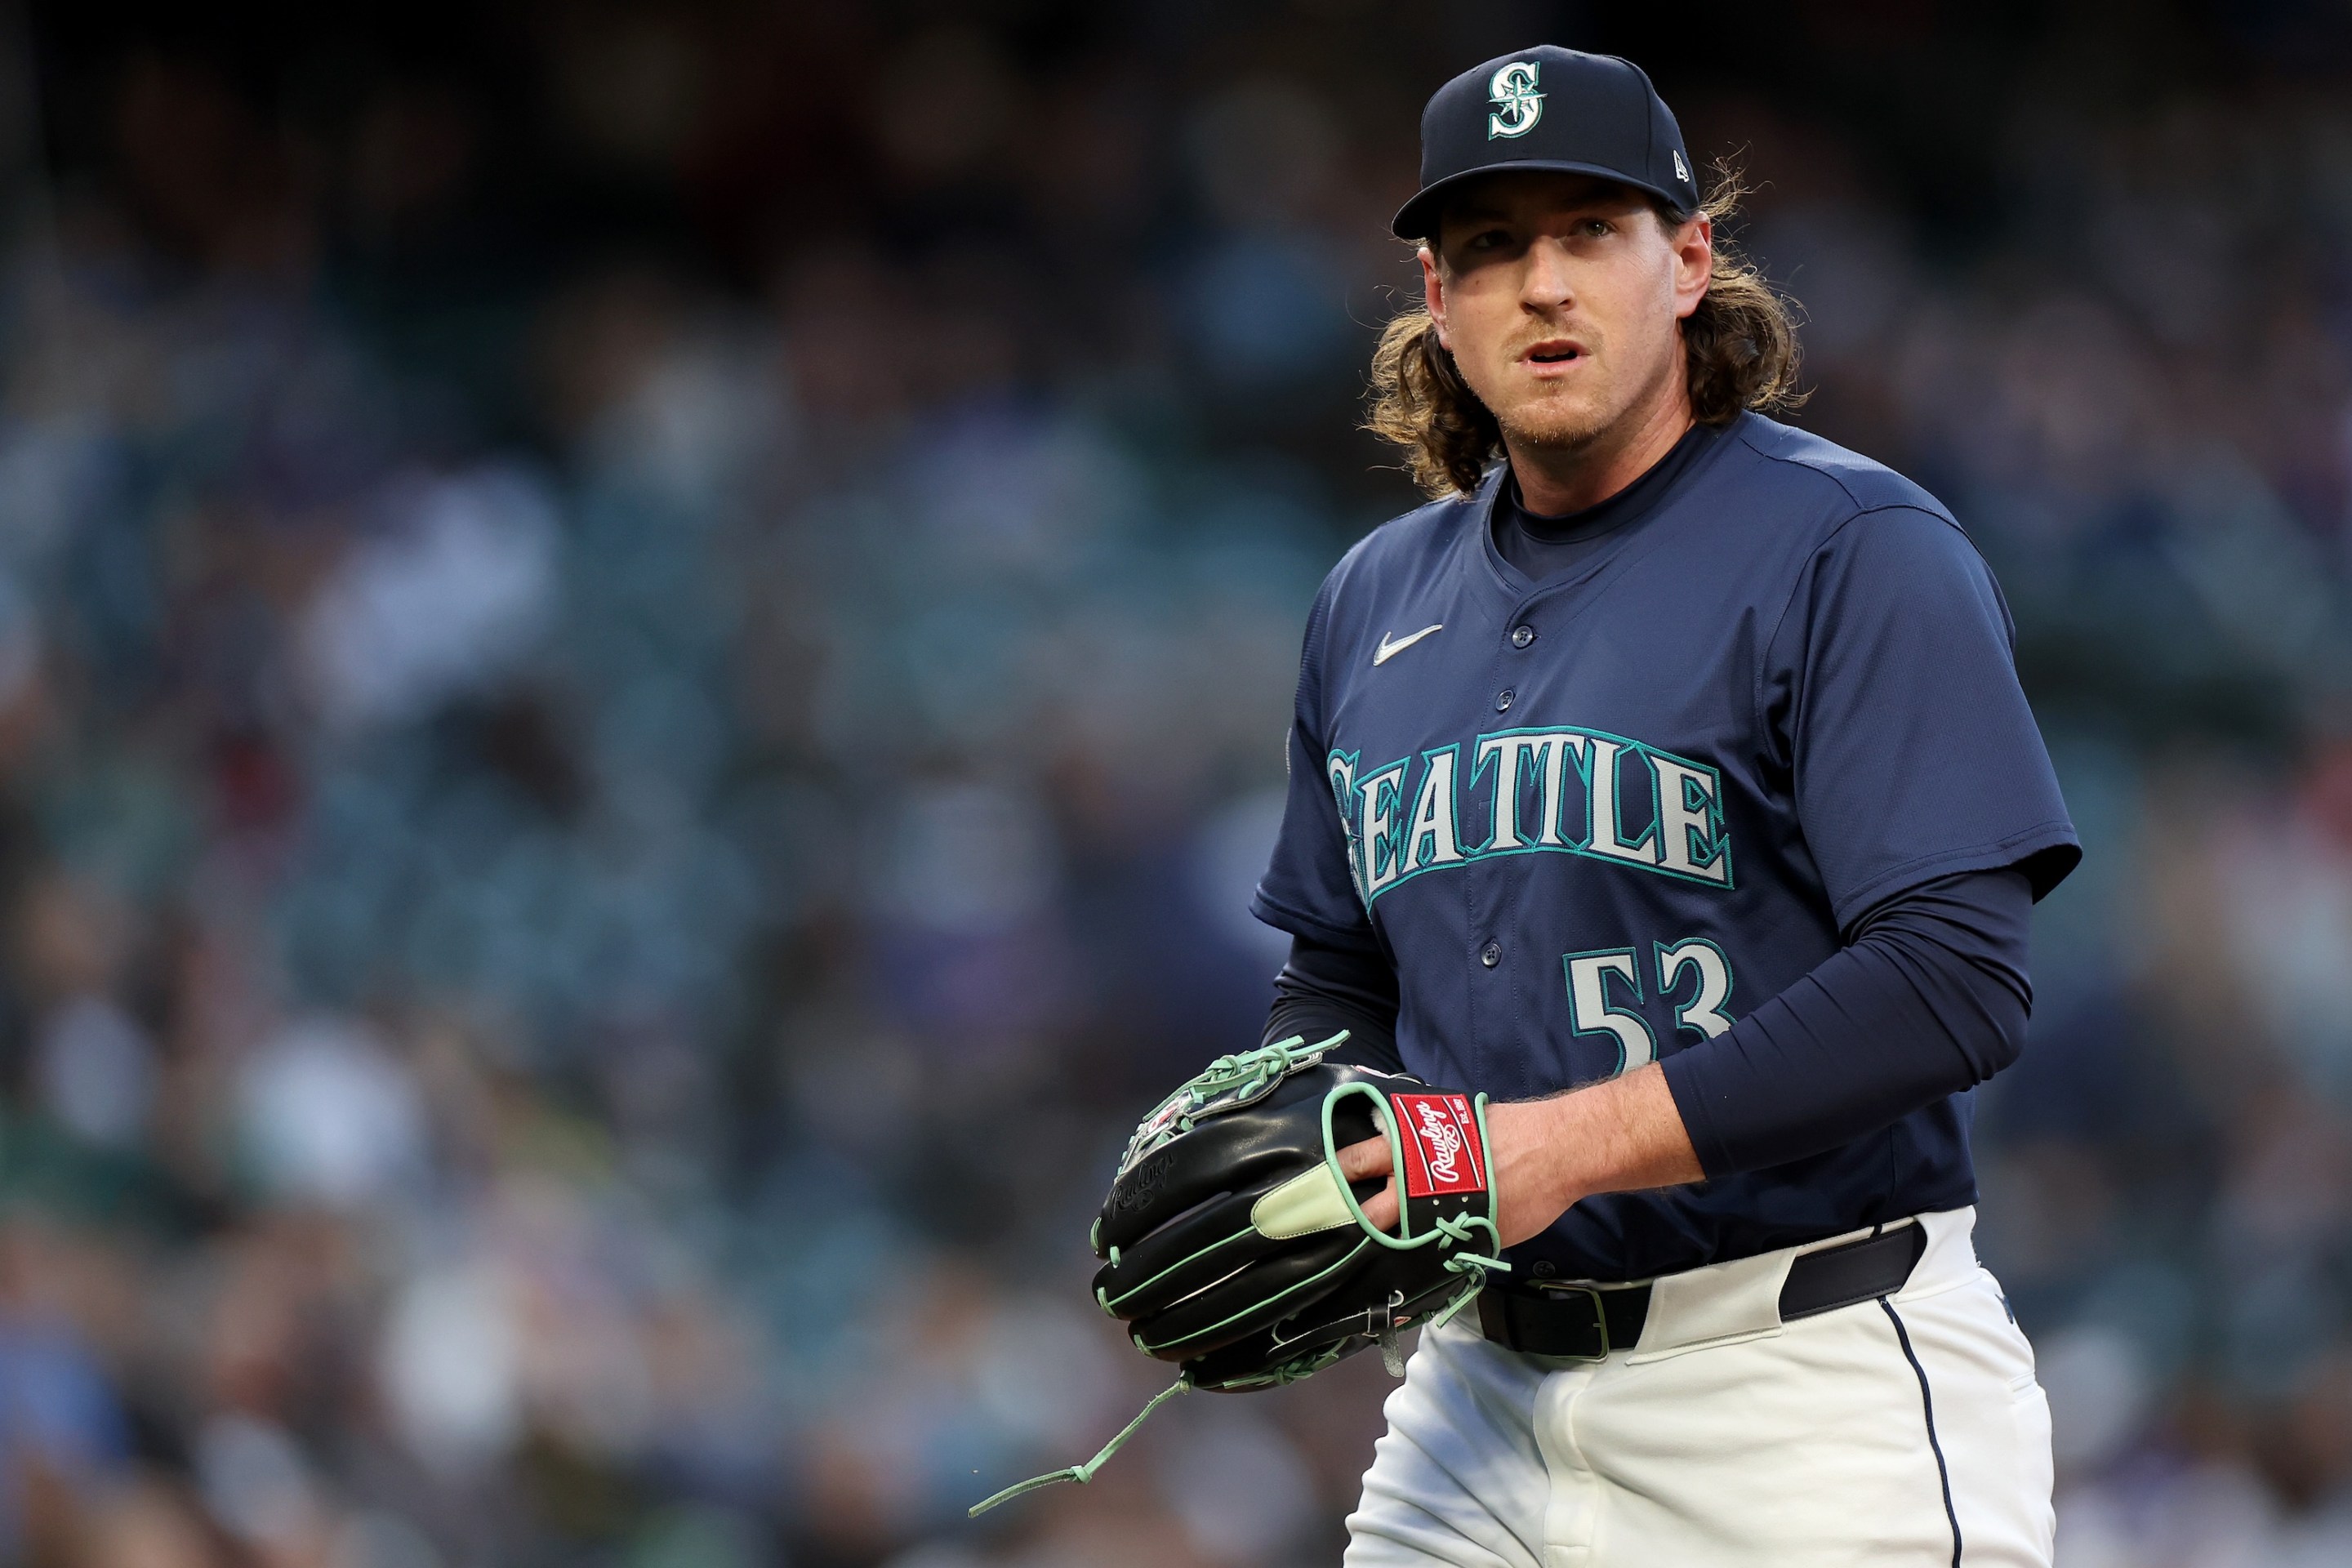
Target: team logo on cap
1516, 102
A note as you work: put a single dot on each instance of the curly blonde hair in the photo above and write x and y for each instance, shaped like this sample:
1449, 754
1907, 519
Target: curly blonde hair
1739, 347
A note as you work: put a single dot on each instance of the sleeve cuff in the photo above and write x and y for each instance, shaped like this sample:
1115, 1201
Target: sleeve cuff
1298, 922
1686, 1080
2046, 852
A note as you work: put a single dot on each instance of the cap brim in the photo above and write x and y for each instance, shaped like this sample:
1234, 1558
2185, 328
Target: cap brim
1416, 219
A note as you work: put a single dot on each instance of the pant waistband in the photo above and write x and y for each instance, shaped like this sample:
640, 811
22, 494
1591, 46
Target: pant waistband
1747, 1297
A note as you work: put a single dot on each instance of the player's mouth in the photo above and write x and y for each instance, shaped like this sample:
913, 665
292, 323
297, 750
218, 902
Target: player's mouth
1553, 355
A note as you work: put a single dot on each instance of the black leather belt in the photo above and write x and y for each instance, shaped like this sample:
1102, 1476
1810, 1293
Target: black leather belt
1588, 1322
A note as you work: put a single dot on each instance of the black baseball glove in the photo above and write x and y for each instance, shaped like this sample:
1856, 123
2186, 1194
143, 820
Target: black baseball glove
1231, 1245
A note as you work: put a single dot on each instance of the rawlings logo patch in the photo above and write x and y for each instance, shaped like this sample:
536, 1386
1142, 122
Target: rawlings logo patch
1441, 1144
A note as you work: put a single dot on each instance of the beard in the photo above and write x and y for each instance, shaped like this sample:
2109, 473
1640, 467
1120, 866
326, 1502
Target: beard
1557, 424
1572, 425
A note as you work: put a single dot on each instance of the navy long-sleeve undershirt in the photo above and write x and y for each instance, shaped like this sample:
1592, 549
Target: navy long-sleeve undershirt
1324, 988
1928, 997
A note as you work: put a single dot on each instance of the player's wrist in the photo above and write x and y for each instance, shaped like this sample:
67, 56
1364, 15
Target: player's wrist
1618, 1136
1536, 1174
1575, 1173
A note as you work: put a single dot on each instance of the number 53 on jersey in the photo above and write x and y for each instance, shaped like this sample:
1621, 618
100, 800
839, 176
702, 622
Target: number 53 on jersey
1598, 982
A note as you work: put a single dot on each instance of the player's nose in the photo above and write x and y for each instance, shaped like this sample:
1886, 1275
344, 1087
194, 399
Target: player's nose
1545, 284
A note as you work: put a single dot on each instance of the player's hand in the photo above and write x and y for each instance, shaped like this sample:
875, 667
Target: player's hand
1547, 1154
1529, 1174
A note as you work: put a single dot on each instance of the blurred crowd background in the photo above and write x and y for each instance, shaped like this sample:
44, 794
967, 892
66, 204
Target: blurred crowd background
643, 658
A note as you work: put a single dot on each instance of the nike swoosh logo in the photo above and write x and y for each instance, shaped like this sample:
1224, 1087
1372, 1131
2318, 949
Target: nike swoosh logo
1388, 650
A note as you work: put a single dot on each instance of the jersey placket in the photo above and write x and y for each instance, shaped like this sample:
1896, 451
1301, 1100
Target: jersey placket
1496, 1008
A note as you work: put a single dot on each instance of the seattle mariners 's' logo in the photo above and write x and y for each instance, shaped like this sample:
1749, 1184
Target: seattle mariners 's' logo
1513, 88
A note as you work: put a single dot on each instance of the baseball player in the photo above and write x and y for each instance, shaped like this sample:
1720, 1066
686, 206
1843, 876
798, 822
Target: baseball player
1668, 779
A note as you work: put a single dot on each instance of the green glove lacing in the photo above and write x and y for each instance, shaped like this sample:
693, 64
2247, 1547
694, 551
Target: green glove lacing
1084, 1473
1228, 1081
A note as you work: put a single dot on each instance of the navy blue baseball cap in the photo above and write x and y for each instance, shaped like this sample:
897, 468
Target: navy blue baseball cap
1549, 109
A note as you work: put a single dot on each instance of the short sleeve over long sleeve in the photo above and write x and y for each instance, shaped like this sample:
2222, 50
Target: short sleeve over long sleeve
1309, 889
1892, 685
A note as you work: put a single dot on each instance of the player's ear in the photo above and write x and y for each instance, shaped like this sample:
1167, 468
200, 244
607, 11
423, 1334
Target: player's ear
1694, 246
1433, 292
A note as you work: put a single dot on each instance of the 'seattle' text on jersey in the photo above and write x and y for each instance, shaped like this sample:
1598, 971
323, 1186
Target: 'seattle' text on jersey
1559, 790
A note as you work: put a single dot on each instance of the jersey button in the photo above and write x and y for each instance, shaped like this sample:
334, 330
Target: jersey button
1522, 636
1491, 954
1503, 700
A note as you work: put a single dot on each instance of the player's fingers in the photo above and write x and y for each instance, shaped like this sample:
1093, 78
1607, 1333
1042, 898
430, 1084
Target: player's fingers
1369, 1161
1369, 1158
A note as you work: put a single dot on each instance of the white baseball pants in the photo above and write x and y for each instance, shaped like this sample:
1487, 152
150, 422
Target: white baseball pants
1906, 1432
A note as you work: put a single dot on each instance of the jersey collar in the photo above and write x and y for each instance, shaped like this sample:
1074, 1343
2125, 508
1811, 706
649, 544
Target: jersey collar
1524, 591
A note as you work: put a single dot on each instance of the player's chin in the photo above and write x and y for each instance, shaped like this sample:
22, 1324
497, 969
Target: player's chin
1558, 420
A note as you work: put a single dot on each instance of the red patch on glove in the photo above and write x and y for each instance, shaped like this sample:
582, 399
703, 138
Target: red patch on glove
1441, 1152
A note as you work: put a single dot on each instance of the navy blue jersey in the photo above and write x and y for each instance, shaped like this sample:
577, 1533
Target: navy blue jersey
1591, 821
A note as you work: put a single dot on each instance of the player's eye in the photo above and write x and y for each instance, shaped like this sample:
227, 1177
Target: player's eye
1595, 228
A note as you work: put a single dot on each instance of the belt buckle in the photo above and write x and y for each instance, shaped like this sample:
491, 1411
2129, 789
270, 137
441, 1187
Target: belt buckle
1600, 1312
